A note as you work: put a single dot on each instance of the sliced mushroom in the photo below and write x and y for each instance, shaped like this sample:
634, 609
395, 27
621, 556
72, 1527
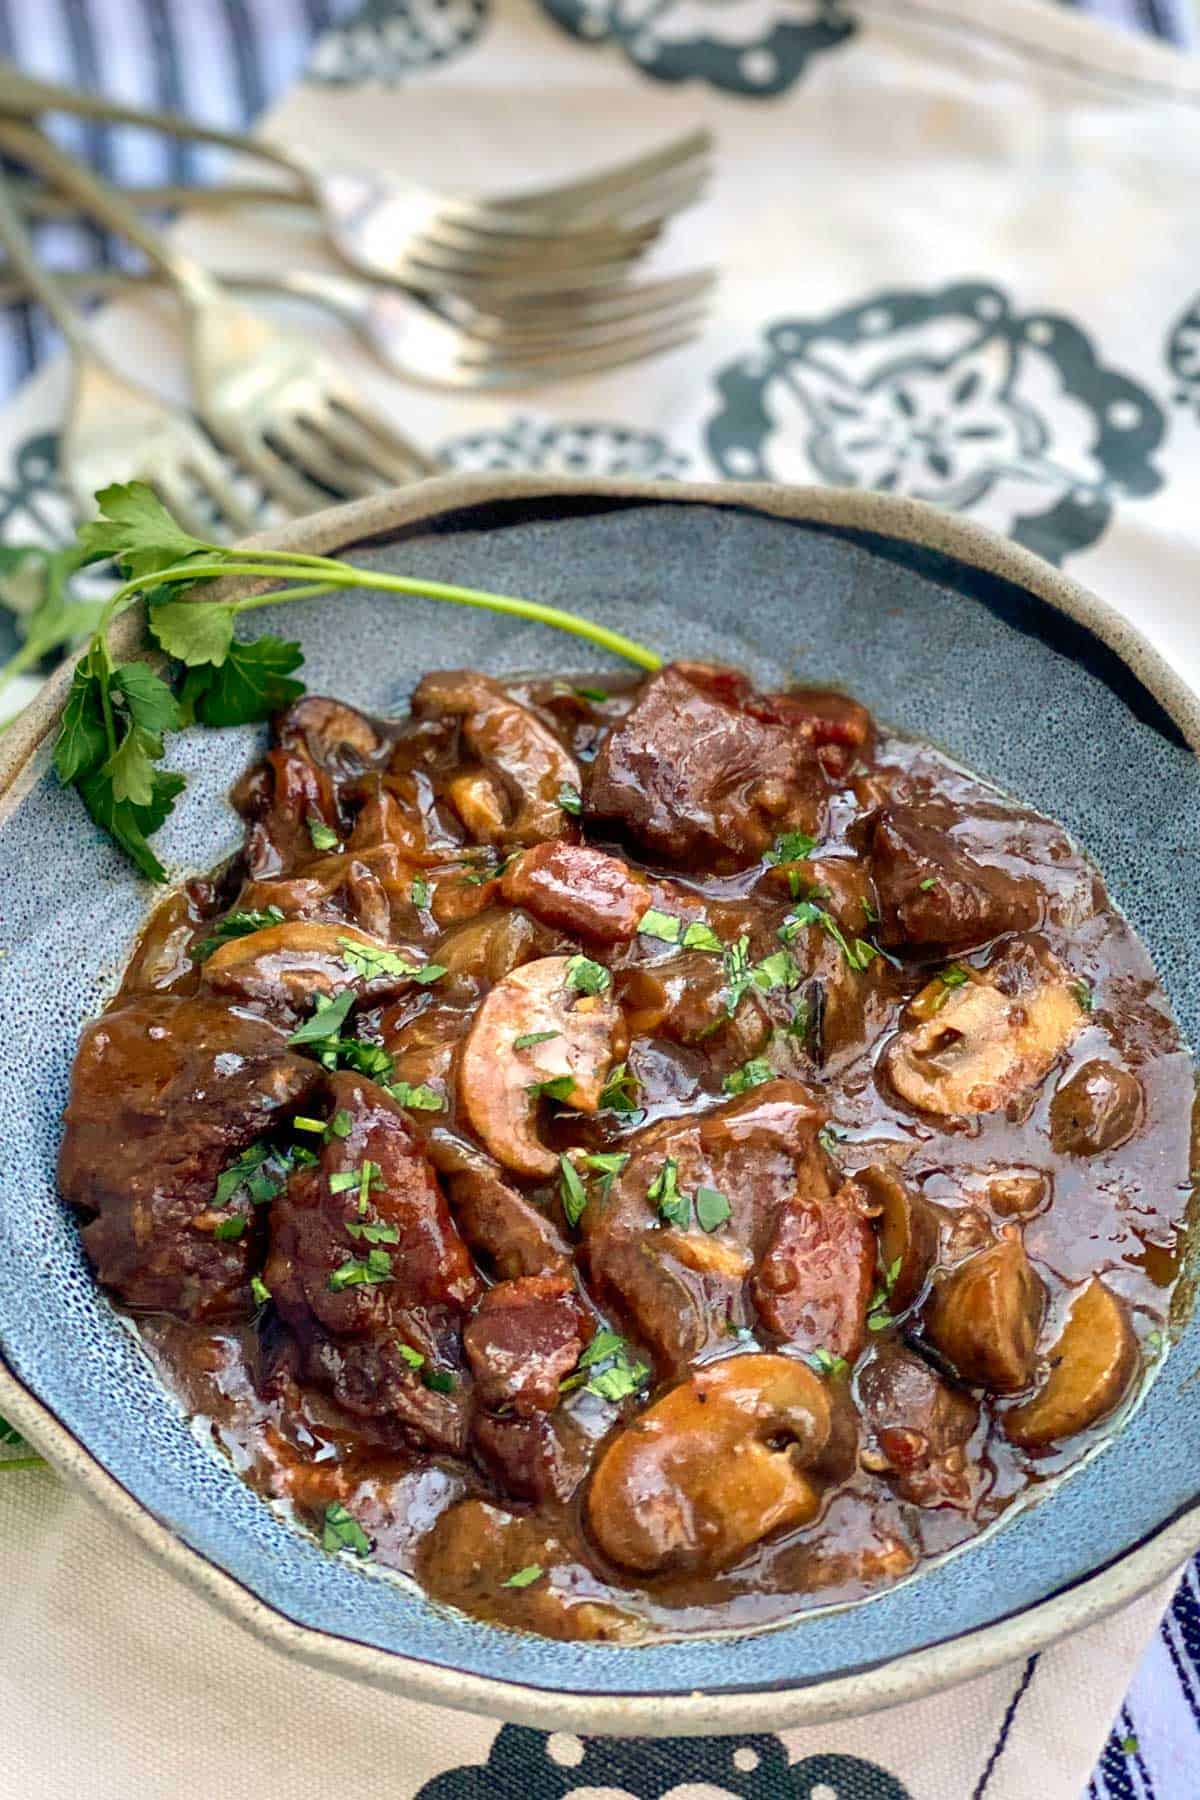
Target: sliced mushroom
713, 1467
283, 966
985, 1315
707, 1254
990, 1040
1091, 1367
530, 766
335, 736
499, 1083
908, 1234
1097, 1108
1019, 1193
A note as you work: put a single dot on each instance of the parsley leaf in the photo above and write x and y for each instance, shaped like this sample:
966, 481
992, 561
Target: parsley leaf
619, 1093
252, 682
607, 1164
439, 1381
597, 695
529, 1038
673, 1205
664, 926
524, 1577
779, 970
194, 632
373, 1232
570, 799
82, 743
324, 1023
752, 1074
1082, 991
586, 976
712, 1208
235, 925
321, 835
878, 1315
418, 892
259, 1291
136, 530
792, 846
858, 953
417, 1099
342, 1531
953, 976
232, 1227
571, 1191
616, 1373
370, 960
355, 1273
700, 936
560, 1087
826, 1363
930, 881
412, 1357
129, 823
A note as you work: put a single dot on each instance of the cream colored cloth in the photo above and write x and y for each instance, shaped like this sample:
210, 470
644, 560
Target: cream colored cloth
958, 260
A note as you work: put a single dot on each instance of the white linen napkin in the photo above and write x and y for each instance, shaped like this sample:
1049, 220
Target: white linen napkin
955, 263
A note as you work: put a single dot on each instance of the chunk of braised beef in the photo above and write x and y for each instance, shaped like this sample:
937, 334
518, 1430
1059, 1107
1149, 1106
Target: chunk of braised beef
680, 1288
365, 1258
504, 1228
933, 893
165, 1094
921, 1427
703, 771
279, 800
812, 1287
529, 1456
578, 890
525, 1337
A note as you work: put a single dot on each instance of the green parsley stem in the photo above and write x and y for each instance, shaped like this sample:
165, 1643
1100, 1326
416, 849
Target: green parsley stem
338, 575
10, 1463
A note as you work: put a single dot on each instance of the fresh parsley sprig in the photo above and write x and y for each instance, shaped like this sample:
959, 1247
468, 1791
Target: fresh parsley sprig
110, 742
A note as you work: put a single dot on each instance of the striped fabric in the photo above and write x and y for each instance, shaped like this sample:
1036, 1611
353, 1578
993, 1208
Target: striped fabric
223, 61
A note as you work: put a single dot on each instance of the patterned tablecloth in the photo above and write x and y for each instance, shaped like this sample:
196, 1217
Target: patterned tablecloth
953, 237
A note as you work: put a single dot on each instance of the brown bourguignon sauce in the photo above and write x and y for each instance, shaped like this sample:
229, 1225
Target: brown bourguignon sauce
638, 1157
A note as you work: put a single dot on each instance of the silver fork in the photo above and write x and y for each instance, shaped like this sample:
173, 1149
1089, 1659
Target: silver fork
117, 430
543, 341
281, 408
402, 231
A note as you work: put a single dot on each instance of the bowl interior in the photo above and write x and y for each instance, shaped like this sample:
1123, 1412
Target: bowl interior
997, 676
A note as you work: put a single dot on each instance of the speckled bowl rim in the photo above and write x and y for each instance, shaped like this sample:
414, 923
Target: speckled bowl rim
24, 750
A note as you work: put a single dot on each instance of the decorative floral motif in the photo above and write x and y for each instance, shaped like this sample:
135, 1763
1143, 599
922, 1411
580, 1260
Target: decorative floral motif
1183, 356
952, 397
530, 1765
750, 47
566, 449
35, 507
386, 40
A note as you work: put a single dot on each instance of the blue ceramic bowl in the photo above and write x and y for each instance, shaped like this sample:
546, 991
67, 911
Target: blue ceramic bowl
942, 630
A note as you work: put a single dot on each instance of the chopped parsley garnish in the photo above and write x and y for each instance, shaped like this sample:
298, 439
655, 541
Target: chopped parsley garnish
597, 695
439, 1381
829, 1137
792, 846
857, 951
418, 1099
1082, 991
779, 970
323, 836
529, 1038
752, 1074
525, 1577
870, 913
418, 893
738, 974
615, 1374
364, 1178
700, 936
300, 1123
412, 1357
259, 1290
356, 1272
586, 976
341, 1124
826, 1363
232, 1227
712, 1208
878, 1315
369, 960
235, 925
619, 1093
605, 1163
320, 1035
803, 1023
570, 799
261, 1170
559, 1087
342, 1531
664, 926
374, 1233
664, 1191
571, 1190
953, 976
930, 881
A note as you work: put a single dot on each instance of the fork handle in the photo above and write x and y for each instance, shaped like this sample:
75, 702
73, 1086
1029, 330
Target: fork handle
108, 205
39, 202
26, 96
35, 279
